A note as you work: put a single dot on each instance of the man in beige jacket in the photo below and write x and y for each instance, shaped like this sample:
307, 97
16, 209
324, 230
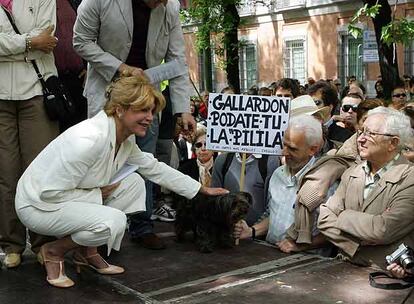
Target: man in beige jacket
372, 211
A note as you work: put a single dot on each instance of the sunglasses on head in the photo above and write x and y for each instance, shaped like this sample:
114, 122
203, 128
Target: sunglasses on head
199, 144
346, 108
399, 95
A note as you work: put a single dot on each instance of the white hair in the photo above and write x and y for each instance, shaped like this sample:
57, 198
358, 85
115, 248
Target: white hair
311, 127
396, 123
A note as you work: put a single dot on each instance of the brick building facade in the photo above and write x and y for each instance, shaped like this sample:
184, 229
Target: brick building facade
300, 39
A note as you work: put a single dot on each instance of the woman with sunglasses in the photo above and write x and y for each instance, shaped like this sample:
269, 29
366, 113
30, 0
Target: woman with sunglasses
199, 168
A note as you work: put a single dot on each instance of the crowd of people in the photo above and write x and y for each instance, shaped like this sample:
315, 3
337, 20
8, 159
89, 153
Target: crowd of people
343, 186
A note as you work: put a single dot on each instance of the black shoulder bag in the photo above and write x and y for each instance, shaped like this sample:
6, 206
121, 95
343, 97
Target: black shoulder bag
57, 100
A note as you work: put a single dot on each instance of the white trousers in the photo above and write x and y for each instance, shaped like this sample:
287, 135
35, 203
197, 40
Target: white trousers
89, 224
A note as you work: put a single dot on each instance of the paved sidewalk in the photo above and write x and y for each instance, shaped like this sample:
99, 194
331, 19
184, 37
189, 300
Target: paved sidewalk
249, 273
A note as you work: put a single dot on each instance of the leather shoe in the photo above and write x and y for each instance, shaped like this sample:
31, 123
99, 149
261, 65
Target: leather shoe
150, 241
12, 260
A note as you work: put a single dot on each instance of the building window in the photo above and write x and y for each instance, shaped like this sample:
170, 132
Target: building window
350, 53
286, 4
294, 59
201, 71
248, 66
409, 59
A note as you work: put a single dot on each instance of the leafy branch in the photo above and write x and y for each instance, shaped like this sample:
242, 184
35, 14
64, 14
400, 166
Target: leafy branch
397, 31
213, 24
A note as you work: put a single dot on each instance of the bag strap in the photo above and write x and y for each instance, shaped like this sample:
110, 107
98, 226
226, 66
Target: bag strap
9, 16
36, 68
393, 286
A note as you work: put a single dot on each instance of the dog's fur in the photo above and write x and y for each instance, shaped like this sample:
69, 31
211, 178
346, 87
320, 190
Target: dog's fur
211, 218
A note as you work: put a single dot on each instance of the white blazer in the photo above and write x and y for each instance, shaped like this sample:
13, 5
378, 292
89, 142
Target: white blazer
102, 35
80, 161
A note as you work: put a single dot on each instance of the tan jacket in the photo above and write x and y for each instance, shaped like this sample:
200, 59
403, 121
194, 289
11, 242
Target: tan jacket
368, 230
314, 187
18, 78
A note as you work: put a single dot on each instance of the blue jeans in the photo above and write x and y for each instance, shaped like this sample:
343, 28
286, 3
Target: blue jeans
141, 223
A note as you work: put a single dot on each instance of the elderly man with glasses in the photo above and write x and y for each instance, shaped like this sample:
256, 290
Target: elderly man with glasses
372, 211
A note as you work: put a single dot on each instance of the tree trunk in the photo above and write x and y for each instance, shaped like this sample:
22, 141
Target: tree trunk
387, 57
207, 70
231, 45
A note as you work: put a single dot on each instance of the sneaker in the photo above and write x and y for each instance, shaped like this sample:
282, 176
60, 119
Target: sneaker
164, 213
150, 241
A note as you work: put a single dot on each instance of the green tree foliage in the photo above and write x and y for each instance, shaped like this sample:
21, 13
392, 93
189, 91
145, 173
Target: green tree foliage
218, 21
389, 31
399, 30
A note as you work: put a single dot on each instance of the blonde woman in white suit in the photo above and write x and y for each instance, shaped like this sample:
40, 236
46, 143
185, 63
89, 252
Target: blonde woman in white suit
65, 192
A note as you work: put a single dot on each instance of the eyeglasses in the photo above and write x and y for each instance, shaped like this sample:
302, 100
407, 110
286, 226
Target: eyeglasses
408, 149
318, 102
199, 144
399, 95
284, 95
348, 107
370, 134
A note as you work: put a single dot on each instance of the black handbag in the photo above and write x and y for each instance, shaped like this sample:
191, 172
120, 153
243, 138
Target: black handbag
57, 100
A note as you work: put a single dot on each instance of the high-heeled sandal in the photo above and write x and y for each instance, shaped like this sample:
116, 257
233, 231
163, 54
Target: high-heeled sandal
62, 281
80, 260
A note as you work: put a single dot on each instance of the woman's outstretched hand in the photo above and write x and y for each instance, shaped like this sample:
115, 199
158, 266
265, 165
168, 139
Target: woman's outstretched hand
213, 191
107, 190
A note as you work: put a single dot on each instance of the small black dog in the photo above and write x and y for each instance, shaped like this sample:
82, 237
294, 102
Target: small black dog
211, 218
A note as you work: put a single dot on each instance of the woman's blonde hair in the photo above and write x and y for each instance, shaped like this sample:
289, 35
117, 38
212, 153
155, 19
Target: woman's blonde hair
200, 132
132, 92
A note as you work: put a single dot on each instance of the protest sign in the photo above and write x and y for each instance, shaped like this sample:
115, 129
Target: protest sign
247, 124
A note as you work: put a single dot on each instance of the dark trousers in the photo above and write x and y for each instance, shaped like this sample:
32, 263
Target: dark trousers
141, 223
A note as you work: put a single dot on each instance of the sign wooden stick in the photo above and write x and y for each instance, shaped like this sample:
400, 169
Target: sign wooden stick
241, 185
242, 172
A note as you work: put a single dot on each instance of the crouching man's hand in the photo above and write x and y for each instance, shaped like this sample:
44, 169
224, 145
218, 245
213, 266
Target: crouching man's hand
212, 191
397, 271
242, 230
